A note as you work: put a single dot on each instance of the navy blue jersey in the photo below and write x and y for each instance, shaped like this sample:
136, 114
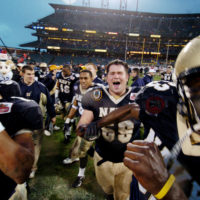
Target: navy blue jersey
49, 82
98, 80
137, 82
65, 86
34, 92
158, 107
112, 142
147, 79
166, 76
16, 75
78, 95
158, 110
17, 114
40, 75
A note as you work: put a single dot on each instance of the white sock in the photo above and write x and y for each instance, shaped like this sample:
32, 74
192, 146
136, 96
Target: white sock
81, 172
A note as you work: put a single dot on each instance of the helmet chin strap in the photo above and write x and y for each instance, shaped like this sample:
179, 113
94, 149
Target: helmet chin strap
177, 147
195, 113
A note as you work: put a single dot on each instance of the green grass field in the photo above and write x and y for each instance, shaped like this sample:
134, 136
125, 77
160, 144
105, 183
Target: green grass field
53, 180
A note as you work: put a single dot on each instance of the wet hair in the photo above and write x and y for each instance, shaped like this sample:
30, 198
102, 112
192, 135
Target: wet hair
86, 71
136, 70
27, 67
117, 62
67, 66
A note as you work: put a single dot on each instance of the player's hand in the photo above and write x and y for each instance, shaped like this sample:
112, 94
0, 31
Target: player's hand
92, 132
89, 132
146, 163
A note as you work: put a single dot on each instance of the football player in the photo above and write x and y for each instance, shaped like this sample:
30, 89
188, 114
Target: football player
96, 80
50, 82
111, 174
80, 146
42, 72
65, 83
173, 113
167, 76
19, 117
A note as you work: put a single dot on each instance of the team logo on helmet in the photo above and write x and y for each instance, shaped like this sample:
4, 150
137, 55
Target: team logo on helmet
154, 105
5, 108
132, 96
97, 95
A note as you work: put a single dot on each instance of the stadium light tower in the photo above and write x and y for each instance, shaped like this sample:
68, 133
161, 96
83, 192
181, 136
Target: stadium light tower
104, 3
86, 3
123, 4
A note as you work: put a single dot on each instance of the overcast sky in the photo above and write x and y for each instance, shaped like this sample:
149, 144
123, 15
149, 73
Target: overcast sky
15, 14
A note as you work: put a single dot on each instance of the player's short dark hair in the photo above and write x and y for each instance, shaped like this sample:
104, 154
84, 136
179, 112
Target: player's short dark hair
27, 67
117, 62
136, 70
86, 71
67, 66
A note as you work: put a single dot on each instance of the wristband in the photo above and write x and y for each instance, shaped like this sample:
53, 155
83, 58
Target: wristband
1, 127
165, 189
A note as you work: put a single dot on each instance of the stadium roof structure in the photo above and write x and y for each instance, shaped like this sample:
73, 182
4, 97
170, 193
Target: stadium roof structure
76, 28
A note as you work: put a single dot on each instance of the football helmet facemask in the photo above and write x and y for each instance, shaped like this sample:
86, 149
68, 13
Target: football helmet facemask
187, 70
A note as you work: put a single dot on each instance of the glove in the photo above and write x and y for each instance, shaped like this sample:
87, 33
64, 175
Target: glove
92, 132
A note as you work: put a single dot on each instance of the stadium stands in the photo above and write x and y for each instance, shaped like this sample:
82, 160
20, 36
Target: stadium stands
86, 31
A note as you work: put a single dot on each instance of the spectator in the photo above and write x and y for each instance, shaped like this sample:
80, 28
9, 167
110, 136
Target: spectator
149, 76
137, 82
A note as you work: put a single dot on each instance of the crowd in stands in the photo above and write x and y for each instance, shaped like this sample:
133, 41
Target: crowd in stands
167, 25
